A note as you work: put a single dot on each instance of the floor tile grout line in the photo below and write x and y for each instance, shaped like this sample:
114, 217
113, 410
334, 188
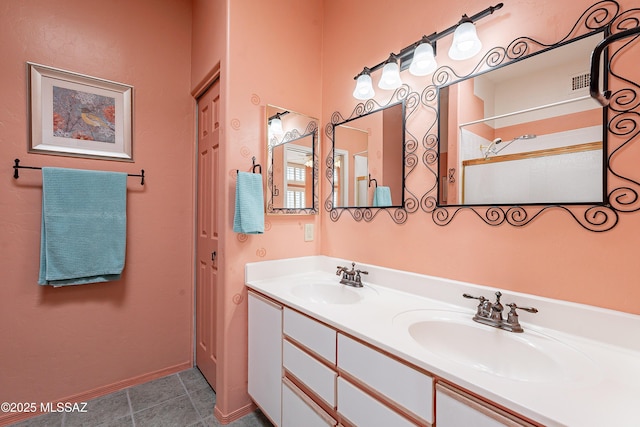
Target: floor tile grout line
156, 404
190, 399
133, 419
164, 402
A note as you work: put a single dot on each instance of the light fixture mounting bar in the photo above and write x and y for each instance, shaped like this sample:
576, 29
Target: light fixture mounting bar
406, 53
278, 115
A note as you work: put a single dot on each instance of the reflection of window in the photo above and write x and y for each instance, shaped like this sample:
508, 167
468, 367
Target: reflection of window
336, 184
295, 199
295, 176
295, 173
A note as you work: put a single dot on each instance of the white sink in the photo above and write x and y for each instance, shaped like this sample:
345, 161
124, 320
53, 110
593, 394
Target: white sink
328, 293
527, 356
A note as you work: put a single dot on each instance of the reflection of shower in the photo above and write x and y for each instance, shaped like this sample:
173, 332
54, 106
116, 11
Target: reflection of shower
492, 148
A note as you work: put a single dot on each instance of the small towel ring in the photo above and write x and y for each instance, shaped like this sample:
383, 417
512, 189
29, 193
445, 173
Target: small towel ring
253, 168
374, 181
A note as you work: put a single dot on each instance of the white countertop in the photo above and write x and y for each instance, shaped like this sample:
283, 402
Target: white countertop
608, 341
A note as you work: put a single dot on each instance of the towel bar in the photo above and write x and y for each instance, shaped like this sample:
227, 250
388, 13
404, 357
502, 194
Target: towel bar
17, 166
253, 168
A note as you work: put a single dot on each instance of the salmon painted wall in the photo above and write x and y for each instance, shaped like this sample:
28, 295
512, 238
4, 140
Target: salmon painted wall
553, 256
270, 55
91, 339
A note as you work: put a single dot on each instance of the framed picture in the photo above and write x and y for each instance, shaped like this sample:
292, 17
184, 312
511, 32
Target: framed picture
76, 115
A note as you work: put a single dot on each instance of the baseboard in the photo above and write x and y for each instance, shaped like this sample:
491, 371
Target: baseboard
235, 415
11, 418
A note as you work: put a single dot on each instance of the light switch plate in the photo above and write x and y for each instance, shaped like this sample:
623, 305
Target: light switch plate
308, 232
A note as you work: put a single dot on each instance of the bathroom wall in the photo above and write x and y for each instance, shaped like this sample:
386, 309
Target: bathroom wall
87, 340
60, 343
270, 54
553, 256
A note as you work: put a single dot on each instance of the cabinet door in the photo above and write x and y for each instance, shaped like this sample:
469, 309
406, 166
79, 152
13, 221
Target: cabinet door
457, 409
265, 355
360, 409
299, 410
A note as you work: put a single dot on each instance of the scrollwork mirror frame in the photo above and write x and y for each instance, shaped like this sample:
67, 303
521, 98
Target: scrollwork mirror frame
621, 122
399, 215
290, 136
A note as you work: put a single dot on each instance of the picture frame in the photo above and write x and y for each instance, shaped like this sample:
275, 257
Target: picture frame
77, 115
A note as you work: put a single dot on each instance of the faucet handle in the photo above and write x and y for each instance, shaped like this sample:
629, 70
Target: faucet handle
481, 298
358, 279
512, 322
514, 307
483, 305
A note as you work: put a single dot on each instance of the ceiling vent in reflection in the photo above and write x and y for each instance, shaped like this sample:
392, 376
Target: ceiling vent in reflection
580, 81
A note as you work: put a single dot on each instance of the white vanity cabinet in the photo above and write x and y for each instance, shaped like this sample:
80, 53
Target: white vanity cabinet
265, 355
456, 408
304, 372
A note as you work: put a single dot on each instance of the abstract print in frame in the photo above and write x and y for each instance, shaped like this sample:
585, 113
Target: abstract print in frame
77, 115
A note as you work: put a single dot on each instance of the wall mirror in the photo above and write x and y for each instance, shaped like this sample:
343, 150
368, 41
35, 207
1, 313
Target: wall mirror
368, 159
615, 187
372, 154
526, 132
292, 159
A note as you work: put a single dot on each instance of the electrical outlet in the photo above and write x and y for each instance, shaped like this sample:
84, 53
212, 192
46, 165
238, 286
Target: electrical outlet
308, 232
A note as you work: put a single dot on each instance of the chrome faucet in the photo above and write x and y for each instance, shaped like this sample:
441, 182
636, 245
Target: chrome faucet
351, 277
489, 313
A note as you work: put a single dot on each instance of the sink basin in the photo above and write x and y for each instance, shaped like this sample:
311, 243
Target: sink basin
528, 356
328, 293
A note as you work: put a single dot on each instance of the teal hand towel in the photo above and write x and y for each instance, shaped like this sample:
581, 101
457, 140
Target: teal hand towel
249, 215
83, 229
382, 196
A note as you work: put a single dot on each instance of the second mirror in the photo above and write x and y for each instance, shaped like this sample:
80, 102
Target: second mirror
292, 152
368, 164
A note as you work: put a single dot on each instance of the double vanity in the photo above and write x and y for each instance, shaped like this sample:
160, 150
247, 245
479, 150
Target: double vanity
404, 349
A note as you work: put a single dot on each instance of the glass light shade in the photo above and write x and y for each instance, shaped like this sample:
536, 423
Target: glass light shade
275, 126
424, 61
390, 78
364, 87
465, 42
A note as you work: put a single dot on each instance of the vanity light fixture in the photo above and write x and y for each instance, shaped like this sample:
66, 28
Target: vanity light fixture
419, 57
275, 123
364, 86
466, 43
390, 78
424, 59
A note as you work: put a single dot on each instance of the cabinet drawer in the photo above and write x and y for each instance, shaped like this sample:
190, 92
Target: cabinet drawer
399, 382
457, 409
318, 338
298, 409
360, 409
318, 377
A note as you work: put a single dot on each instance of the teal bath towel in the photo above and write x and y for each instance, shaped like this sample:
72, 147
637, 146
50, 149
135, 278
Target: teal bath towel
382, 196
83, 232
249, 215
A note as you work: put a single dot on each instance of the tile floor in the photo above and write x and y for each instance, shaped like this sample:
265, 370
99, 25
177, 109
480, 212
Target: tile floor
182, 399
